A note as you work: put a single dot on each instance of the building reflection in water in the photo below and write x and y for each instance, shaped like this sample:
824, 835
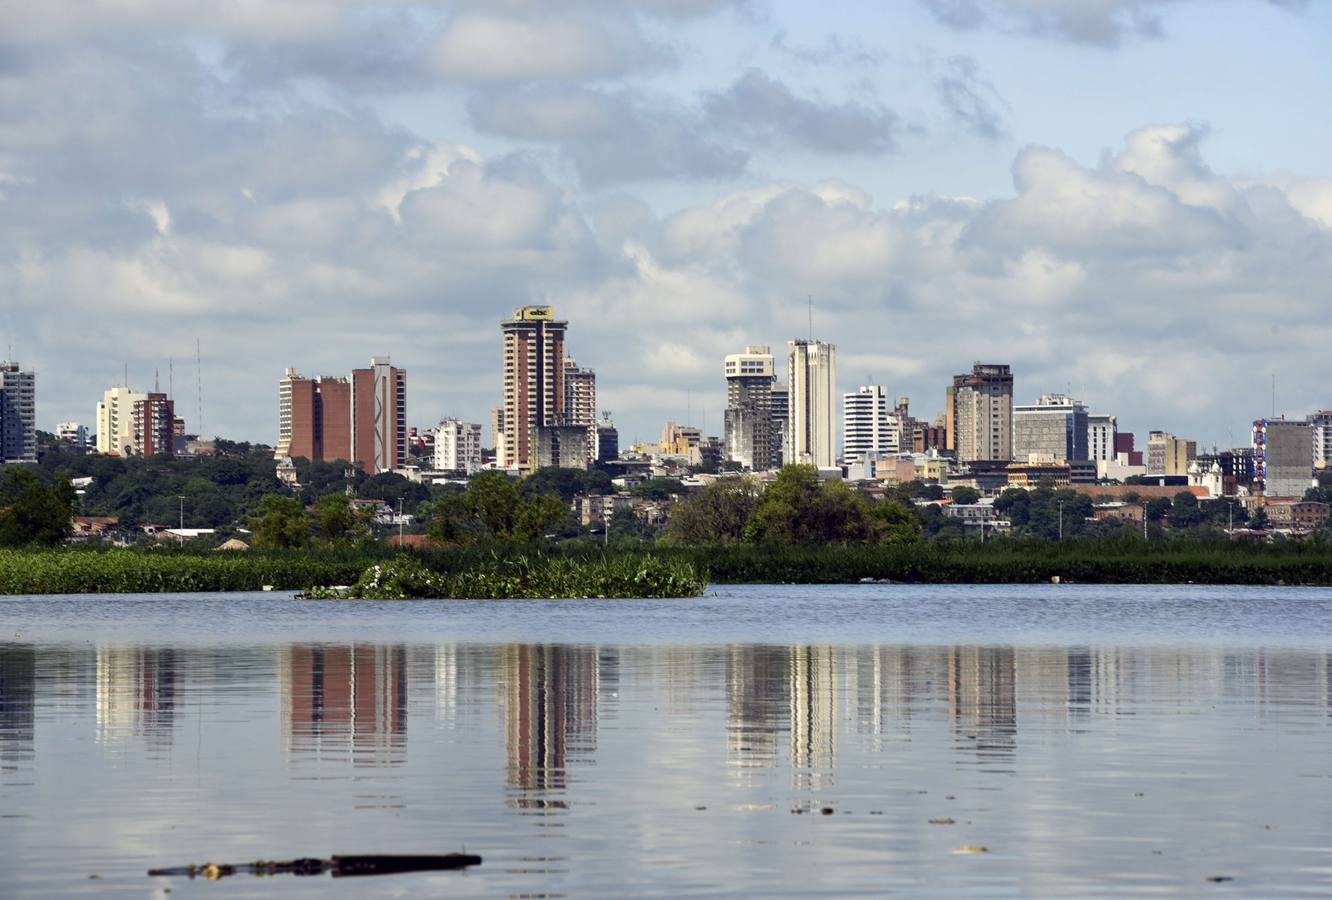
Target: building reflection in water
550, 718
18, 679
345, 700
813, 692
758, 692
136, 693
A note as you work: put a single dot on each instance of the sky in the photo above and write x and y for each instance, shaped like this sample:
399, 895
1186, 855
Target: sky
1128, 200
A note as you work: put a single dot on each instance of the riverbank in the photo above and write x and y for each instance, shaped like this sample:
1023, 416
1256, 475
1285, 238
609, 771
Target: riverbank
589, 570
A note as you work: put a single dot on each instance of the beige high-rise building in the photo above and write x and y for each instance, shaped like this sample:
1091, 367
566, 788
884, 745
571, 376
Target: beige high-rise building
533, 383
811, 433
1169, 455
115, 420
748, 422
580, 402
981, 408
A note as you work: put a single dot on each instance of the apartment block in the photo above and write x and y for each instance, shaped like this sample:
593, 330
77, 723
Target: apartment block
115, 421
580, 402
457, 447
74, 432
18, 414
379, 416
980, 413
1101, 437
533, 383
152, 421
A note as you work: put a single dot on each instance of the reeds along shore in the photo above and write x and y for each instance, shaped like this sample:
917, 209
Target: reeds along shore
999, 562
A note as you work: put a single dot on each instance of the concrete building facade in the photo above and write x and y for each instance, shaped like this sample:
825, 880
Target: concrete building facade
1056, 424
74, 432
533, 383
115, 422
749, 431
1320, 424
18, 414
811, 437
1169, 455
379, 416
580, 402
1101, 430
870, 426
457, 447
1283, 457
980, 413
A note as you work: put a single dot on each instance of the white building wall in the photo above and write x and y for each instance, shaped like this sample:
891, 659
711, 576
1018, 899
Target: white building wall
812, 374
115, 420
458, 446
869, 424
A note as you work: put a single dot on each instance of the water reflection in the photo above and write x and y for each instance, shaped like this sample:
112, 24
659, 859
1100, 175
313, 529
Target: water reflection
345, 701
550, 713
17, 690
628, 755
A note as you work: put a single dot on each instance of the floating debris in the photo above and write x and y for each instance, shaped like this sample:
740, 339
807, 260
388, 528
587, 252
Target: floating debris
827, 810
946, 820
338, 866
972, 848
1218, 879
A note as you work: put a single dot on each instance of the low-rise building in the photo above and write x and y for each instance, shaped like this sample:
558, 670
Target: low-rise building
1039, 467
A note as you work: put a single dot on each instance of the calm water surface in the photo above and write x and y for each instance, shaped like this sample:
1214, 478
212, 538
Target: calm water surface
1122, 740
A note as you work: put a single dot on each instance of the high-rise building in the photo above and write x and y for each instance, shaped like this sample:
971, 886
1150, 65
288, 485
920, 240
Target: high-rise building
811, 368
1321, 425
314, 418
1124, 446
18, 414
870, 427
580, 402
781, 420
457, 447
980, 414
1283, 456
379, 416
748, 421
1169, 455
1056, 424
73, 432
361, 419
1101, 437
533, 382
115, 421
608, 439
152, 421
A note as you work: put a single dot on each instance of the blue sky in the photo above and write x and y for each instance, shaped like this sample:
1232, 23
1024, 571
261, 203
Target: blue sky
1131, 198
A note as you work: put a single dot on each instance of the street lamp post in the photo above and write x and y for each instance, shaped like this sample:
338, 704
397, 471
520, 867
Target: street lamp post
1061, 519
180, 531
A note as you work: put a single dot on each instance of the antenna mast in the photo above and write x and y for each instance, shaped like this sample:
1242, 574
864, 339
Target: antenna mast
198, 383
811, 318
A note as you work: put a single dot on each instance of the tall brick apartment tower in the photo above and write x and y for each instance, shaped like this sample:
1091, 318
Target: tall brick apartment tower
533, 382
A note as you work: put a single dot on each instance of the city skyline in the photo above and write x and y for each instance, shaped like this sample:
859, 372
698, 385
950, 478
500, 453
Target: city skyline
1115, 200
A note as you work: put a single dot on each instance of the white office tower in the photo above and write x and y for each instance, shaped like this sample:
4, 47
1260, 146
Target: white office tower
870, 427
811, 368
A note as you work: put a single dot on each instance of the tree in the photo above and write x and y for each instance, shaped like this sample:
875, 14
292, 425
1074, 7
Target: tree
537, 515
797, 509
715, 515
1184, 511
33, 511
492, 499
658, 489
1014, 504
893, 523
965, 496
1158, 508
281, 524
336, 522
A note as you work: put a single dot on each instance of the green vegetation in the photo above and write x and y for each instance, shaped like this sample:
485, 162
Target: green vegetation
530, 577
33, 510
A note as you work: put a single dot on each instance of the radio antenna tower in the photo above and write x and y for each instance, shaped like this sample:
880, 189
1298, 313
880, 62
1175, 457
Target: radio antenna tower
198, 383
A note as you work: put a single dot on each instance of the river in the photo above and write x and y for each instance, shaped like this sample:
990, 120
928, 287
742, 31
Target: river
859, 740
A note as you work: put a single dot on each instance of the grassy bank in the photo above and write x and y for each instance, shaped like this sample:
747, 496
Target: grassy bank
587, 570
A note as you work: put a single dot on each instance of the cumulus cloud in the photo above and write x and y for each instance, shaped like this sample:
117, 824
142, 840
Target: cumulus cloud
483, 46
611, 136
1105, 23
